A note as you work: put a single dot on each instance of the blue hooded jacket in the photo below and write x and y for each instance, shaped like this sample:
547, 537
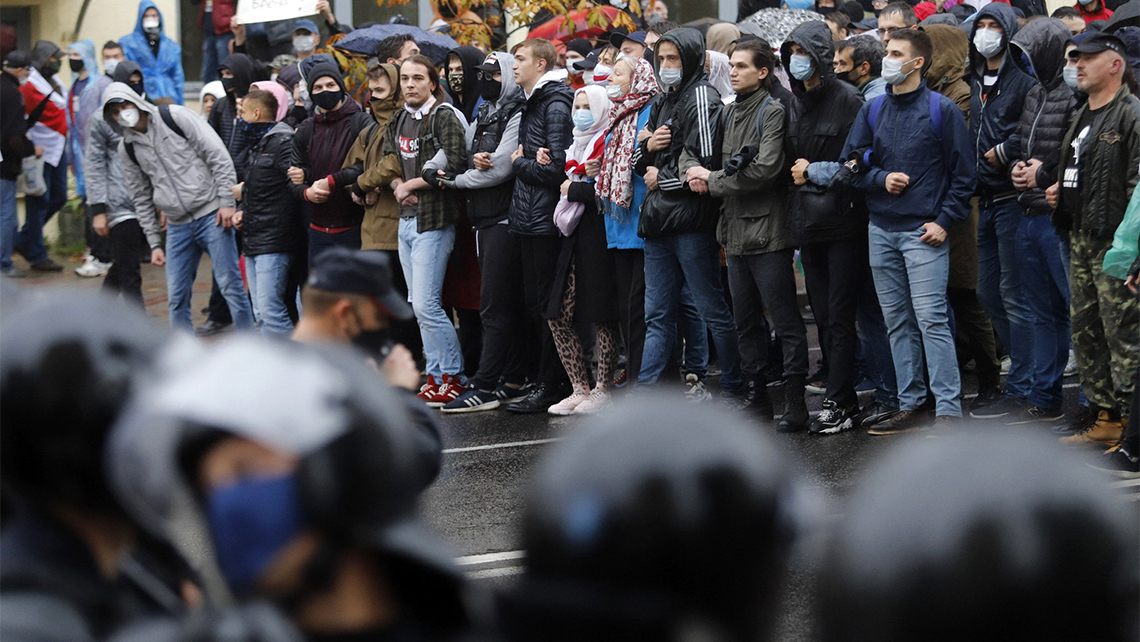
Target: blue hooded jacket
940, 167
77, 121
162, 75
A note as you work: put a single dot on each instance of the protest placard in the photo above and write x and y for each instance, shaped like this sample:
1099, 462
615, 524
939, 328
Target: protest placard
250, 11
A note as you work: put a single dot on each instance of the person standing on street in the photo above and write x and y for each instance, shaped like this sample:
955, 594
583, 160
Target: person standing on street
173, 161
159, 57
15, 146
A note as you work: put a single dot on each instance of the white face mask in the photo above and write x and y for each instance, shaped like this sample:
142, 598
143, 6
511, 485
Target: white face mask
128, 117
150, 23
892, 70
109, 66
1070, 76
615, 92
304, 44
987, 42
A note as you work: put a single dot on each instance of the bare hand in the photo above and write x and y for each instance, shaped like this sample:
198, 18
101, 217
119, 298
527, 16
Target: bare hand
697, 173
237, 219
402, 192
399, 369
1030, 172
798, 171
411, 200
483, 161
593, 167
651, 178
370, 199
643, 134
1017, 175
897, 182
1052, 194
157, 257
99, 223
296, 174
238, 30
660, 139
161, 222
323, 8
225, 217
236, 191
699, 186
517, 154
356, 199
565, 188
1133, 283
543, 156
934, 235
39, 152
991, 157
318, 192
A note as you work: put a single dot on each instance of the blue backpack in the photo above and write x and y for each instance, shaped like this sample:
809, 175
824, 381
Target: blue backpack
877, 106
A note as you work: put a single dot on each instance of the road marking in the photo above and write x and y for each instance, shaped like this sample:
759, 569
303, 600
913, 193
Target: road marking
1125, 483
490, 558
510, 444
495, 572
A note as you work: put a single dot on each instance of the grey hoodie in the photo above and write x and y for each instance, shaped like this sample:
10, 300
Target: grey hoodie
187, 178
501, 167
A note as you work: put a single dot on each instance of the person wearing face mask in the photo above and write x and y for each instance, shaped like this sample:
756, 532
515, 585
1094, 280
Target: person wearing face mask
43, 95
306, 38
84, 70
462, 79
828, 224
918, 185
14, 147
1092, 10
859, 61
997, 97
576, 51
159, 57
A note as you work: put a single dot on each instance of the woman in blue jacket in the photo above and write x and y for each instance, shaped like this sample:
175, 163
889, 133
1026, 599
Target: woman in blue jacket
159, 57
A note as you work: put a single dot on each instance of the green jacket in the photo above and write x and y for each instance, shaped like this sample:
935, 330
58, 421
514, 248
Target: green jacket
753, 218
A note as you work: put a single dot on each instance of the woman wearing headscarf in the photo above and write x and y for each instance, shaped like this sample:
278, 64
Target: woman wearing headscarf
620, 192
586, 291
211, 93
718, 68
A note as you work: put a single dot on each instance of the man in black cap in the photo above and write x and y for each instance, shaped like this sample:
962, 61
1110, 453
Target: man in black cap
14, 147
1100, 157
576, 51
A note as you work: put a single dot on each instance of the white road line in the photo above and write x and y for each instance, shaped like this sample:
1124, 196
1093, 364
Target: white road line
510, 444
1125, 483
495, 572
490, 558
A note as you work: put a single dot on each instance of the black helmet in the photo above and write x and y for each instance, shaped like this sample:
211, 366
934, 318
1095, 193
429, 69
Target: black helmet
358, 477
987, 536
69, 362
666, 519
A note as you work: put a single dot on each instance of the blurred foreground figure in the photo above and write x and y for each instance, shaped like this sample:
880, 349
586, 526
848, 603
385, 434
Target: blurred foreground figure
664, 522
73, 566
300, 469
996, 536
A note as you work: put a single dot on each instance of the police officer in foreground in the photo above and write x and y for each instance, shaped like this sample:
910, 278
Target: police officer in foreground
298, 467
73, 565
664, 522
987, 536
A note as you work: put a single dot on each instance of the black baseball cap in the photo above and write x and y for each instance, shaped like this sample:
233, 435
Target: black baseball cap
364, 272
618, 38
866, 24
491, 63
589, 62
1099, 42
18, 59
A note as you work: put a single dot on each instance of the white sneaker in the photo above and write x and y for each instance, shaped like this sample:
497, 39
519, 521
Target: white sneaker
599, 400
695, 389
1006, 364
1071, 366
567, 405
92, 267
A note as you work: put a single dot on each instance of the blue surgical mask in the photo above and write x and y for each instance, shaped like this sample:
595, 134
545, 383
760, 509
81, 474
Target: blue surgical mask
800, 66
987, 42
1070, 76
583, 119
671, 76
250, 522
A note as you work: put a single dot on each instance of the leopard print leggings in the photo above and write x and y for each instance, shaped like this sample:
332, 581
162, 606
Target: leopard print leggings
570, 347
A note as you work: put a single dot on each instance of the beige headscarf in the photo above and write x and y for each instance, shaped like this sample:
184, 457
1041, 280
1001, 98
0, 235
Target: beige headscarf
720, 36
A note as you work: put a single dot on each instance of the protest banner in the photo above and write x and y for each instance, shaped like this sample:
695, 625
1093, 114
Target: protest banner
251, 11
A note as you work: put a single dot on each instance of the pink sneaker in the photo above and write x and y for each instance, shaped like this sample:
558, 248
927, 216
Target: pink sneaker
599, 400
567, 405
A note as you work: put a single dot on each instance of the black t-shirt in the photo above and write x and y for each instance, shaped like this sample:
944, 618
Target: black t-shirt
1071, 178
409, 142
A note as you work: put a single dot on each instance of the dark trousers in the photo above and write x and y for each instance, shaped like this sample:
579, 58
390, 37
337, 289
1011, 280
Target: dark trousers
125, 275
502, 309
100, 246
833, 272
470, 333
630, 268
766, 281
539, 271
976, 335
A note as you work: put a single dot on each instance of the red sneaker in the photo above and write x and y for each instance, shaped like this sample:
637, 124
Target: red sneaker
428, 390
447, 392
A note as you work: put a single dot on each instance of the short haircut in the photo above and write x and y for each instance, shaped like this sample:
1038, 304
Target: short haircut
1067, 12
377, 71
111, 44
762, 57
663, 27
865, 48
841, 19
902, 9
920, 45
541, 49
263, 98
391, 46
315, 301
420, 59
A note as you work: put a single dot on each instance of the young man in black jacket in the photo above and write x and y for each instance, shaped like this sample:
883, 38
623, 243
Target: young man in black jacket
14, 146
545, 125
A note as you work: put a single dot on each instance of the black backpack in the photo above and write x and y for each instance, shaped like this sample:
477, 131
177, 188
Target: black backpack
168, 118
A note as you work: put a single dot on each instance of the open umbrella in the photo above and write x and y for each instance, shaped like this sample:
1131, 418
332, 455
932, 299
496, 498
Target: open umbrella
774, 25
364, 41
555, 28
1126, 15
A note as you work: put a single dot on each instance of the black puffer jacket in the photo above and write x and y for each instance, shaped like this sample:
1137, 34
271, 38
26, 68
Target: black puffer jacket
693, 111
827, 112
224, 116
271, 222
1049, 106
545, 123
994, 123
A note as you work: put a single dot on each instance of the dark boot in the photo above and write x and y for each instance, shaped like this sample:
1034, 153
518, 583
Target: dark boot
761, 403
795, 417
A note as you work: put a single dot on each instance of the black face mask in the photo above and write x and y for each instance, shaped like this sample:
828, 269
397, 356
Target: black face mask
228, 85
299, 113
823, 11
375, 343
846, 75
491, 89
76, 65
328, 100
455, 81
137, 87
53, 67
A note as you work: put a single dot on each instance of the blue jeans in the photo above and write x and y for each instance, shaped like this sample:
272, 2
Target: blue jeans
876, 347
910, 279
38, 210
1047, 289
184, 247
424, 260
320, 241
215, 49
1001, 293
696, 336
268, 275
670, 263
9, 222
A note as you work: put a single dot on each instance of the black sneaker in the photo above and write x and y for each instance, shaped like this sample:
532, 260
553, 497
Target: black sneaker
47, 265
1116, 461
986, 396
538, 399
1083, 419
875, 413
211, 327
1007, 405
817, 382
834, 419
507, 394
1030, 414
472, 400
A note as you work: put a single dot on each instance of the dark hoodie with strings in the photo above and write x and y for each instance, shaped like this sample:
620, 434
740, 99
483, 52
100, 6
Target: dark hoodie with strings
469, 102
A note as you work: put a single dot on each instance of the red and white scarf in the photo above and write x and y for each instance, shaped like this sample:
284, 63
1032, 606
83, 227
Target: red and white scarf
615, 184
